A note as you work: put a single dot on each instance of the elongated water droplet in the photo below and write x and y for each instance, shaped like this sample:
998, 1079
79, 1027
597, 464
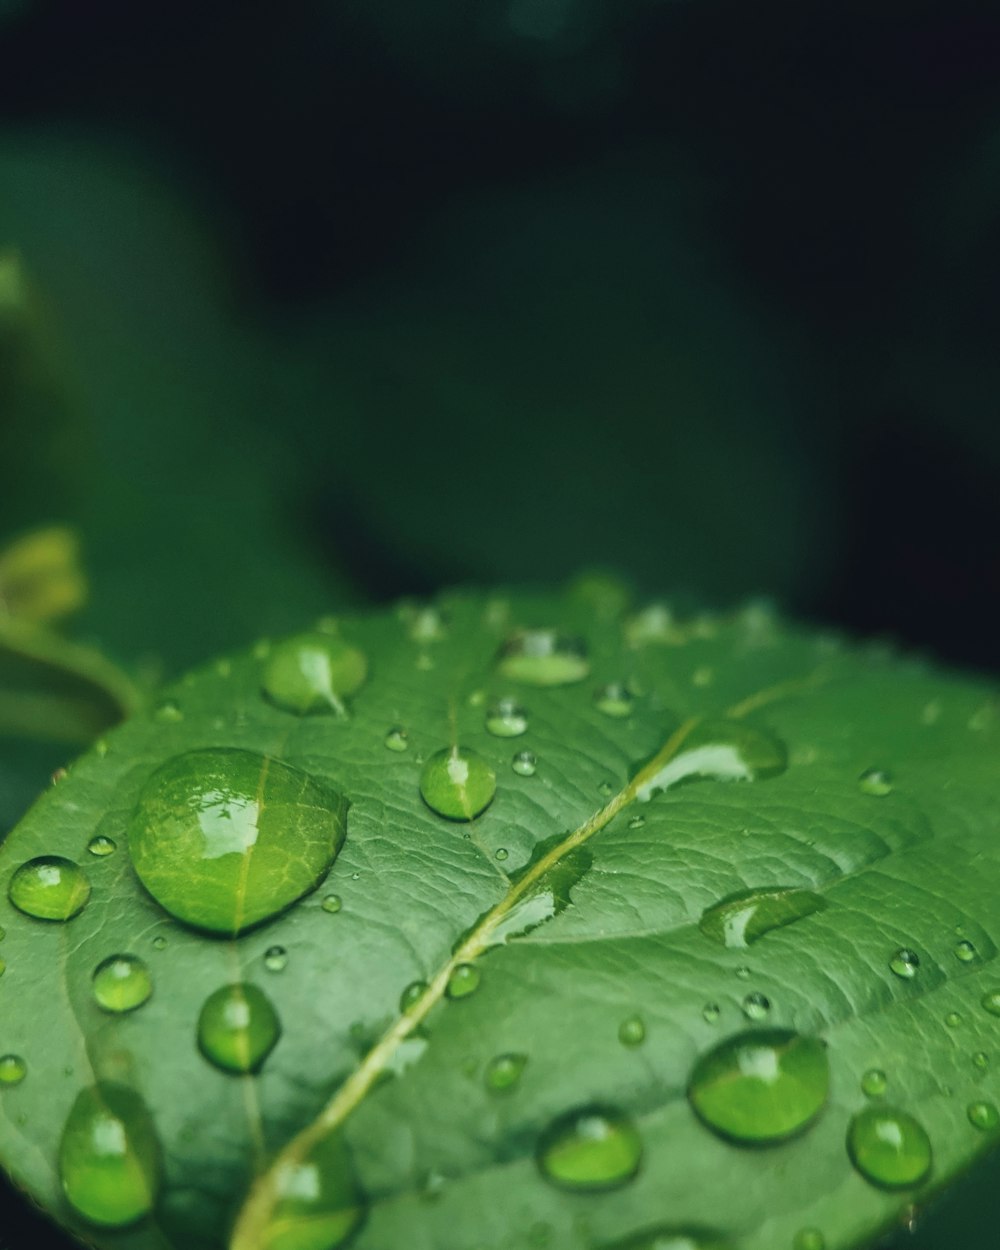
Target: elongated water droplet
507, 719
614, 700
463, 981
504, 1072
590, 1149
756, 1005
332, 904
313, 673
320, 1204
397, 739
168, 712
671, 1237
100, 846
544, 657
874, 1082
875, 781
965, 952
525, 764
719, 750
457, 783
889, 1148
983, 1116
744, 918
238, 1028
49, 888
760, 1086
276, 959
412, 995
991, 1002
122, 983
13, 1070
225, 839
109, 1157
632, 1032
905, 963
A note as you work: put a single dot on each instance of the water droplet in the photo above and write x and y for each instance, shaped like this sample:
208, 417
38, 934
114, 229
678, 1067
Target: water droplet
544, 657
605, 789
397, 739
109, 1158
875, 781
160, 943
506, 719
654, 624
953, 1020
965, 951
320, 1205
504, 1072
905, 963
275, 959
719, 750
501, 853
412, 995
991, 1002
756, 1005
889, 1148
711, 1012
168, 712
332, 903
314, 673
238, 1028
983, 1115
13, 1069
102, 846
744, 918
760, 1086
632, 1032
672, 1237
525, 764
614, 700
424, 623
49, 888
60, 774
874, 1082
457, 783
981, 1060
809, 1239
590, 1149
225, 839
121, 983
637, 822
743, 973
464, 980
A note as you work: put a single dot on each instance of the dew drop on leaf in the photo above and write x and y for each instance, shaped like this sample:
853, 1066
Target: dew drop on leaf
873, 1083
101, 846
760, 1086
503, 1073
168, 712
544, 657
332, 904
965, 952
160, 943
121, 983
672, 1238
506, 719
501, 853
397, 739
614, 700
13, 1070
889, 1147
49, 888
719, 750
744, 918
991, 1002
313, 673
711, 1012
981, 1060
637, 822
875, 781
983, 1116
590, 1149
457, 783
238, 1028
225, 839
525, 764
632, 1032
756, 1005
109, 1157
463, 981
953, 1020
320, 1205
276, 959
412, 995
904, 963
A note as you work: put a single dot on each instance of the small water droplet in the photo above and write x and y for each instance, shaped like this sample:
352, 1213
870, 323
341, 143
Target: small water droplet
464, 980
501, 853
49, 888
503, 1073
590, 1149
875, 781
412, 995
397, 739
744, 918
904, 963
525, 764
874, 1082
506, 719
275, 959
544, 657
809, 1239
121, 983
756, 1005
355, 876
168, 712
743, 973
457, 783
711, 1012
953, 1020
100, 846
965, 951
614, 700
332, 903
637, 822
632, 1032
109, 1157
313, 673
889, 1148
991, 1002
160, 943
13, 1069
238, 1028
983, 1115
981, 1060
605, 789
760, 1086
60, 774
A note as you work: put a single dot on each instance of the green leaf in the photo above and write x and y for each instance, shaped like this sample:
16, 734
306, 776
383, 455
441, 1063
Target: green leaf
527, 1023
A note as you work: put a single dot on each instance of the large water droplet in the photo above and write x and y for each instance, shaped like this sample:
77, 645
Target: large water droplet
320, 1205
314, 673
889, 1148
109, 1157
506, 719
504, 1072
224, 839
905, 963
875, 781
100, 846
13, 1070
668, 1237
614, 700
544, 657
719, 750
744, 918
591, 1149
49, 888
464, 980
457, 783
761, 1086
332, 904
122, 983
983, 1116
238, 1028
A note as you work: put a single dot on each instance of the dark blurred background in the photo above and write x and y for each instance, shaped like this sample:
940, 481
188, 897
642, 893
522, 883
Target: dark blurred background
332, 301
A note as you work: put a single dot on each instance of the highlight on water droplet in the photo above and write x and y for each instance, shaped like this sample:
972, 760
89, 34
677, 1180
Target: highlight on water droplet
457, 783
719, 750
614, 699
332, 903
874, 1083
889, 1147
744, 918
313, 673
276, 959
13, 1070
320, 1203
590, 1149
503, 1072
525, 763
121, 983
544, 657
760, 1086
983, 1116
49, 888
397, 739
965, 951
905, 963
225, 839
875, 781
506, 719
100, 846
238, 1028
109, 1156
756, 1006
632, 1031
464, 980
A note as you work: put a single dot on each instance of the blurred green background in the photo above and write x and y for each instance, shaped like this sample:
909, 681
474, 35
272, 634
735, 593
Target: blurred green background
313, 305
